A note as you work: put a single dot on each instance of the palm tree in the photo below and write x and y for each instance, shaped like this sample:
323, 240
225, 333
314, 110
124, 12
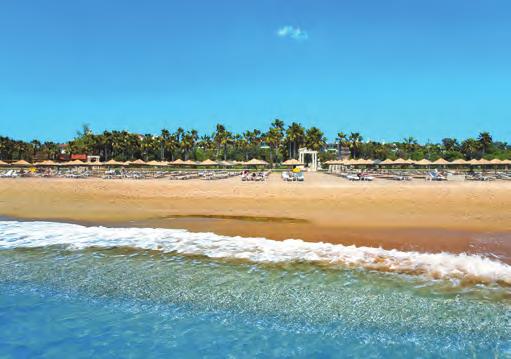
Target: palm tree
355, 139
341, 141
485, 140
295, 136
450, 144
164, 138
314, 139
409, 144
470, 147
273, 137
188, 142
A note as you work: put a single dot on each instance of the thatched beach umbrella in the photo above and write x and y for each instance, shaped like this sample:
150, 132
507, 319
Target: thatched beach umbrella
190, 163
401, 162
208, 162
359, 162
368, 162
292, 162
46, 163
2, 163
153, 163
460, 162
21, 163
114, 163
256, 162
177, 162
423, 162
226, 163
138, 162
496, 161
441, 162
387, 162
480, 162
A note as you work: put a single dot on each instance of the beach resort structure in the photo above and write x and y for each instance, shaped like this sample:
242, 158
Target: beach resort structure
304, 153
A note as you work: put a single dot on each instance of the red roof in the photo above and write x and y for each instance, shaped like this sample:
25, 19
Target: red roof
81, 157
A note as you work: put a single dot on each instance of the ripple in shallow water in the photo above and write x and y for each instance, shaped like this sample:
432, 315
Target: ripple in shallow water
300, 298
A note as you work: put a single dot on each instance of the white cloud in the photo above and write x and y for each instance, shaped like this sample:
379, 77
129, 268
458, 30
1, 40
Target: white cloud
293, 32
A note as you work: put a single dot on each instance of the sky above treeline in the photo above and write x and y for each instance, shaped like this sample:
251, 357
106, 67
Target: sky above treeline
388, 69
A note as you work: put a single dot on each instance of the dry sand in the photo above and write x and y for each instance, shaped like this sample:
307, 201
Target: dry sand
472, 217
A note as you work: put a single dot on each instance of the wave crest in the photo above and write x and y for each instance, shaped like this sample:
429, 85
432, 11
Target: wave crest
463, 267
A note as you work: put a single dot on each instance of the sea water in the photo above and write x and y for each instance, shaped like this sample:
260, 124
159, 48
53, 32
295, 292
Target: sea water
73, 291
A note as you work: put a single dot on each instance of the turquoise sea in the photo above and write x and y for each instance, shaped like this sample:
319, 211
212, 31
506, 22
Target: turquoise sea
72, 291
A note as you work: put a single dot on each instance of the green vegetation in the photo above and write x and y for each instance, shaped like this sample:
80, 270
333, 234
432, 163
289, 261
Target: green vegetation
277, 144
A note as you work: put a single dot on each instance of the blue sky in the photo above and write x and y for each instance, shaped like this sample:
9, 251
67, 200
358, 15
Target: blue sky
387, 69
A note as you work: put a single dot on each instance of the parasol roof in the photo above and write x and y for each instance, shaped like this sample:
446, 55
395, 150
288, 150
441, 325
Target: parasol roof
292, 162
46, 163
2, 163
208, 162
179, 161
190, 163
387, 161
137, 162
459, 161
423, 162
479, 162
21, 163
256, 162
226, 163
402, 161
114, 163
441, 161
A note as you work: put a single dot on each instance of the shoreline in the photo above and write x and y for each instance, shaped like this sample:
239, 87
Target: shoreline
426, 217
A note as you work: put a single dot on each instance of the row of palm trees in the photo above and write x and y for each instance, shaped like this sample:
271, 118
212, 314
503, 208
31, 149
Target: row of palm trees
276, 144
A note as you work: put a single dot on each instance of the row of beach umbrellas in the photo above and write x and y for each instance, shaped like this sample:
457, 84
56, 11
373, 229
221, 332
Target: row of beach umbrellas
139, 162
423, 162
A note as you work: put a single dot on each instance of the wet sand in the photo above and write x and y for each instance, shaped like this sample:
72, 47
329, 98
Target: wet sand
472, 217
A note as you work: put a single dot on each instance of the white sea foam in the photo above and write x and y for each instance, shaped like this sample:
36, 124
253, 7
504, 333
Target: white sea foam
462, 267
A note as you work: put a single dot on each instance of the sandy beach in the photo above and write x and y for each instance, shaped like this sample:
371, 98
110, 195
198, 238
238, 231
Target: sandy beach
471, 217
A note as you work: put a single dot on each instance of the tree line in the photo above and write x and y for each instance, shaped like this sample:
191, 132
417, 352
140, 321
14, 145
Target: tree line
278, 143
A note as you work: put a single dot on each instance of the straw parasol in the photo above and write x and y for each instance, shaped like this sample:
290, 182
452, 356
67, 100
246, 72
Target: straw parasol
402, 161
349, 162
190, 163
114, 163
21, 163
256, 162
358, 162
423, 162
496, 161
388, 161
179, 161
225, 163
441, 162
208, 162
459, 161
2, 163
137, 162
368, 161
484, 162
46, 163
505, 162
74, 163
292, 162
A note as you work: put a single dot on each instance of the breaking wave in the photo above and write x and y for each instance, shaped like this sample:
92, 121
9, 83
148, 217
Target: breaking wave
462, 267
